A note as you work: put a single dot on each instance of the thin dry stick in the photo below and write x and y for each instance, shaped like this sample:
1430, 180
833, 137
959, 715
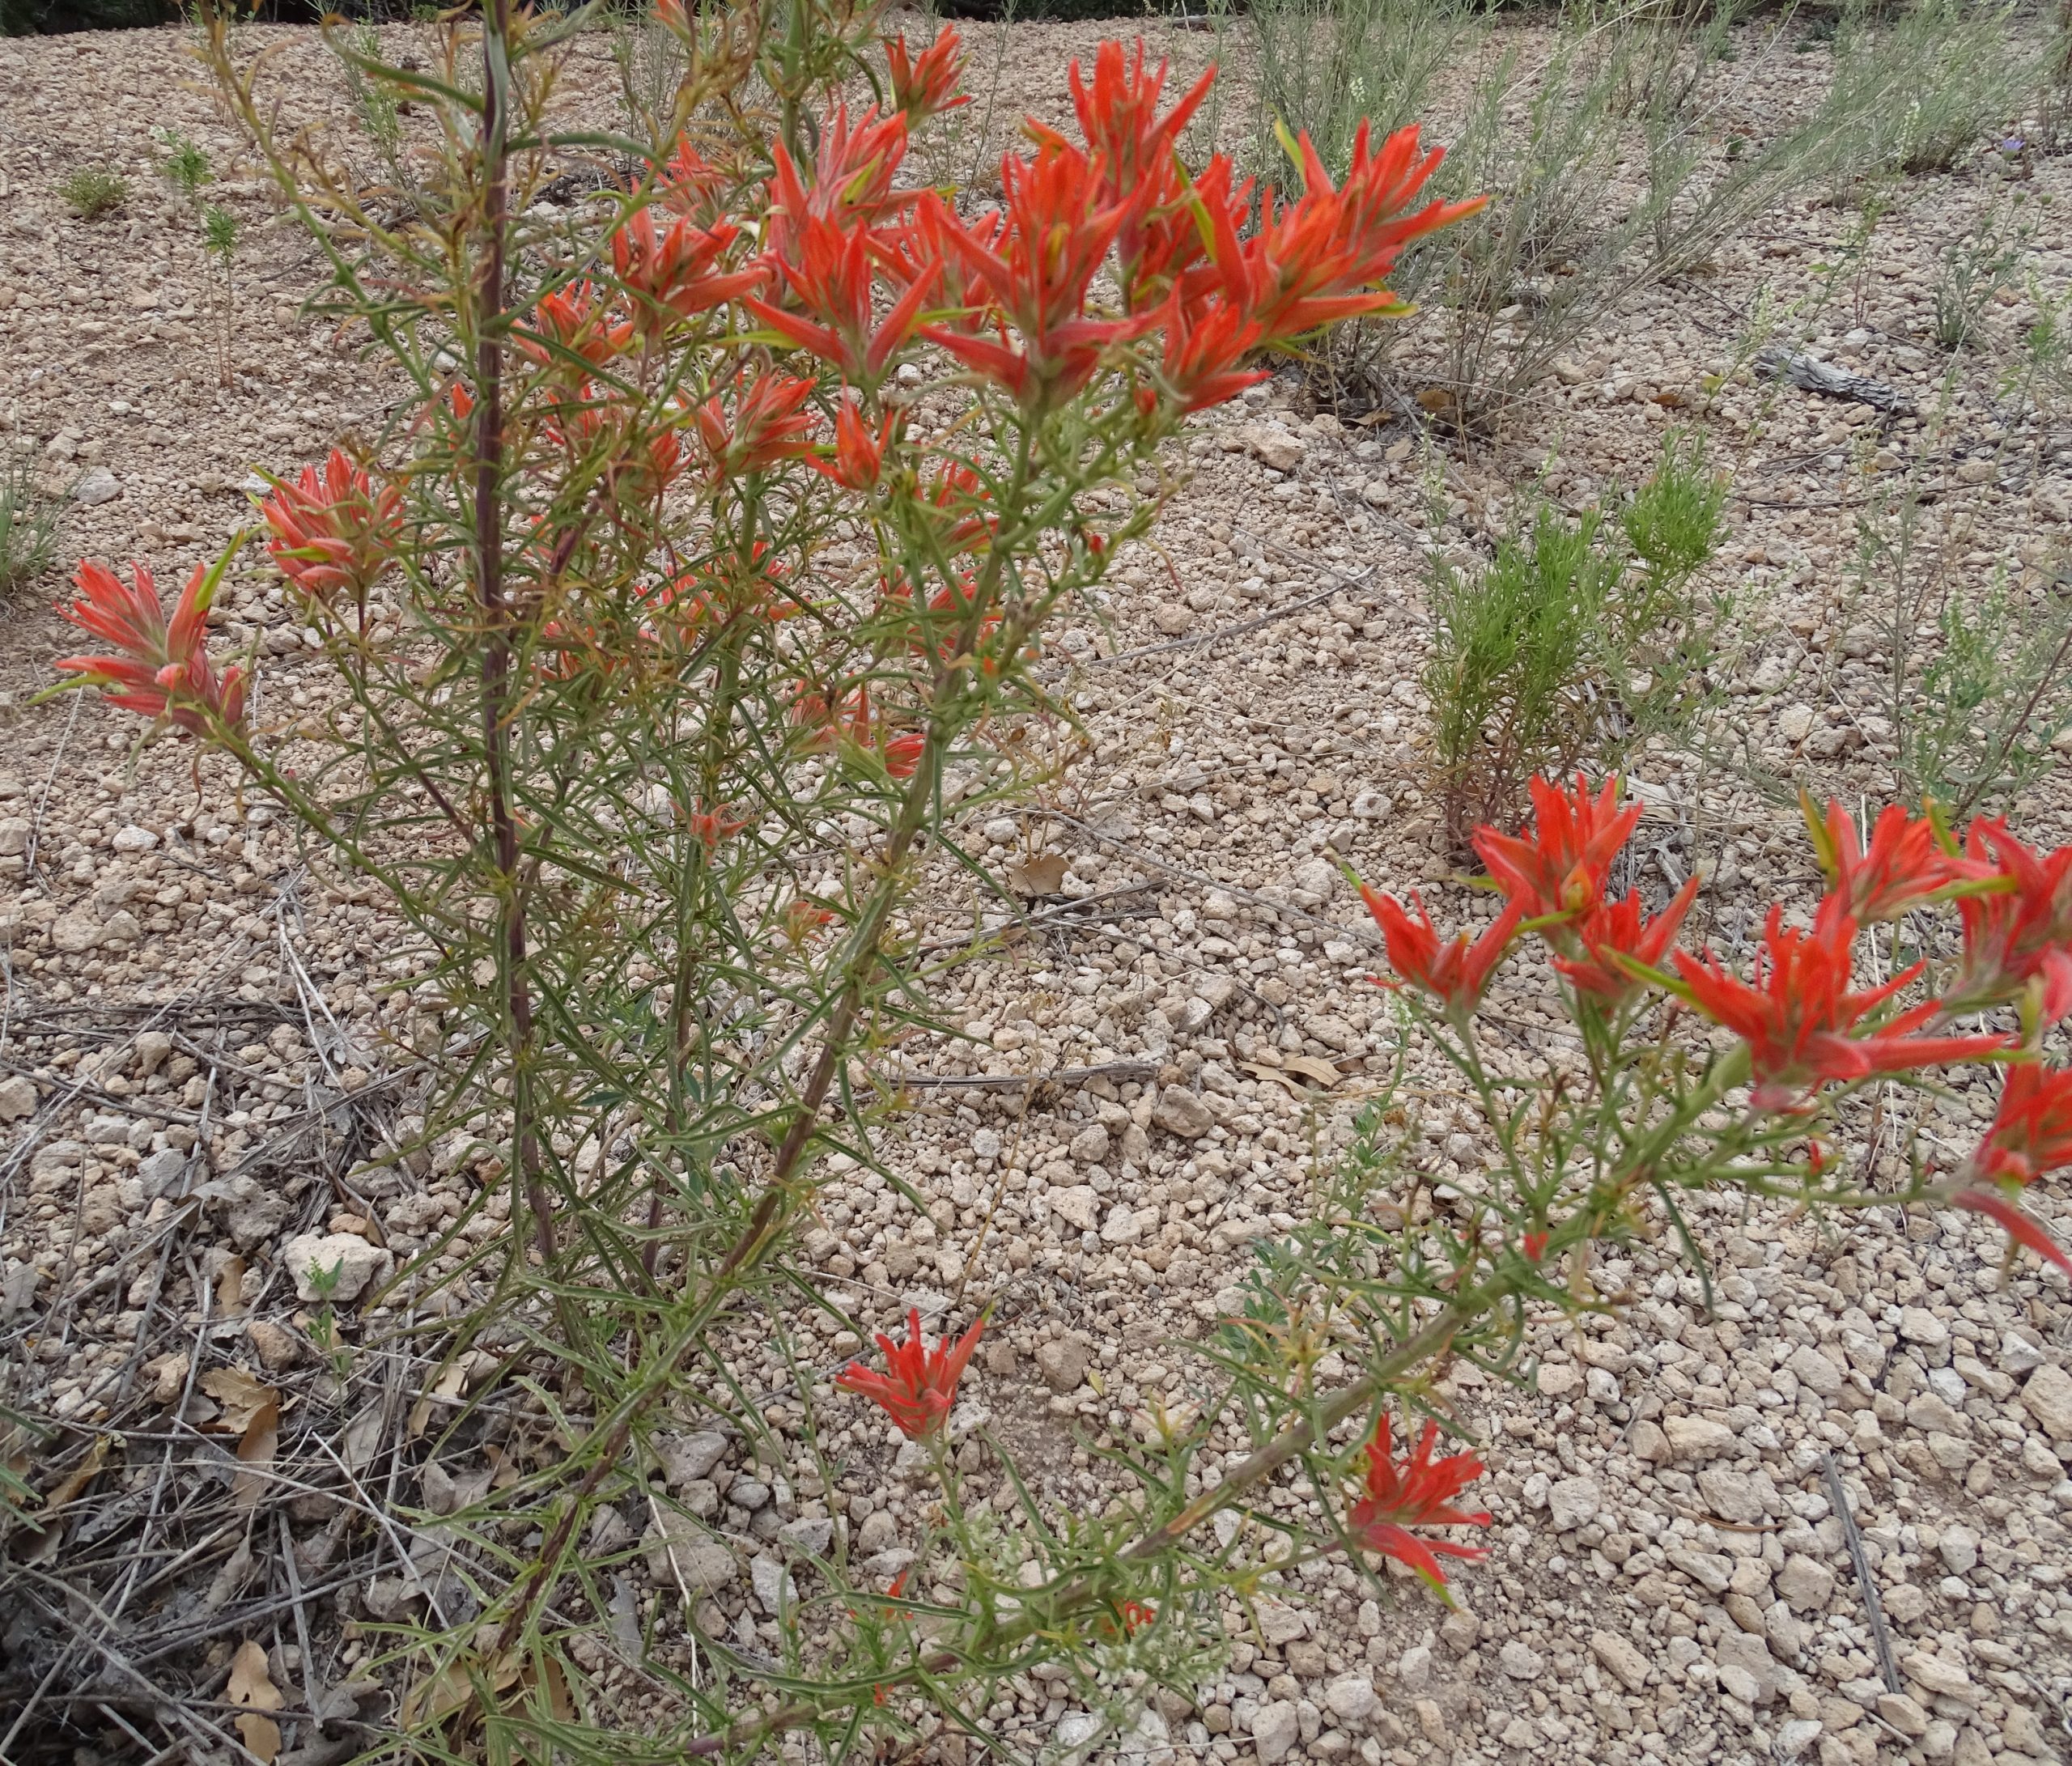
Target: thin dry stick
1865, 1584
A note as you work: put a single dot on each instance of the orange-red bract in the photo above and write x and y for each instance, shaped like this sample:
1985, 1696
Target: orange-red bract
1612, 930
673, 275
926, 85
1035, 271
1904, 865
2020, 931
332, 530
829, 272
1456, 973
1417, 1493
2032, 1131
1798, 1016
765, 425
161, 668
918, 1389
859, 456
574, 321
1562, 865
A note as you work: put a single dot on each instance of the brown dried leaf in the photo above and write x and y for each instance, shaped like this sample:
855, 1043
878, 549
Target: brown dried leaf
255, 1453
241, 1395
82, 1475
262, 1736
1317, 1071
1042, 875
452, 1378
230, 1287
362, 1437
452, 1690
250, 1683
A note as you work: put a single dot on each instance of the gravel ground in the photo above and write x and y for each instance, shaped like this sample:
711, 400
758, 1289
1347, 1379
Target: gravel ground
199, 1044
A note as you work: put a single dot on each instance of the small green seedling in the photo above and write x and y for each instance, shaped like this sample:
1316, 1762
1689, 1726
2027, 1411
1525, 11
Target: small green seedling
90, 191
183, 164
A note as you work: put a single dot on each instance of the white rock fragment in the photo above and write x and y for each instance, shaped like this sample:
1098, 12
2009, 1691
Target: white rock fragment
1078, 1205
1351, 1698
1697, 1437
1620, 1658
312, 1259
2048, 1397
97, 485
1276, 1727
18, 1098
1573, 1502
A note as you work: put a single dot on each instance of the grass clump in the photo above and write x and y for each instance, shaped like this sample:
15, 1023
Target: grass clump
90, 191
1934, 81
1578, 640
29, 526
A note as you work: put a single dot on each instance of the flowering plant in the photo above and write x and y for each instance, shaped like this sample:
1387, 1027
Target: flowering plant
1803, 1039
693, 588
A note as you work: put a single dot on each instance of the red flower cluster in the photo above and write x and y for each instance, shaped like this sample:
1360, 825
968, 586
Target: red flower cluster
1417, 1493
925, 85
1804, 1023
1020, 276
332, 531
1800, 1018
918, 1387
852, 722
672, 276
1562, 866
2031, 1133
1456, 973
2017, 927
161, 669
761, 424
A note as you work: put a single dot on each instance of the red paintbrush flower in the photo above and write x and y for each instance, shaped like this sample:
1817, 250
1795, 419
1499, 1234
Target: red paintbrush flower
1204, 343
828, 273
574, 322
1562, 866
853, 168
710, 827
859, 458
332, 530
1798, 1016
162, 669
1418, 1493
692, 185
1905, 865
957, 498
1456, 973
1131, 145
925, 85
2019, 930
901, 754
1321, 258
918, 1388
1615, 929
765, 425
671, 274
1035, 270
2032, 1131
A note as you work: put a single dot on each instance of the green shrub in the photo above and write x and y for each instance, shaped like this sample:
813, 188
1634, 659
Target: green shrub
1580, 639
90, 191
183, 164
